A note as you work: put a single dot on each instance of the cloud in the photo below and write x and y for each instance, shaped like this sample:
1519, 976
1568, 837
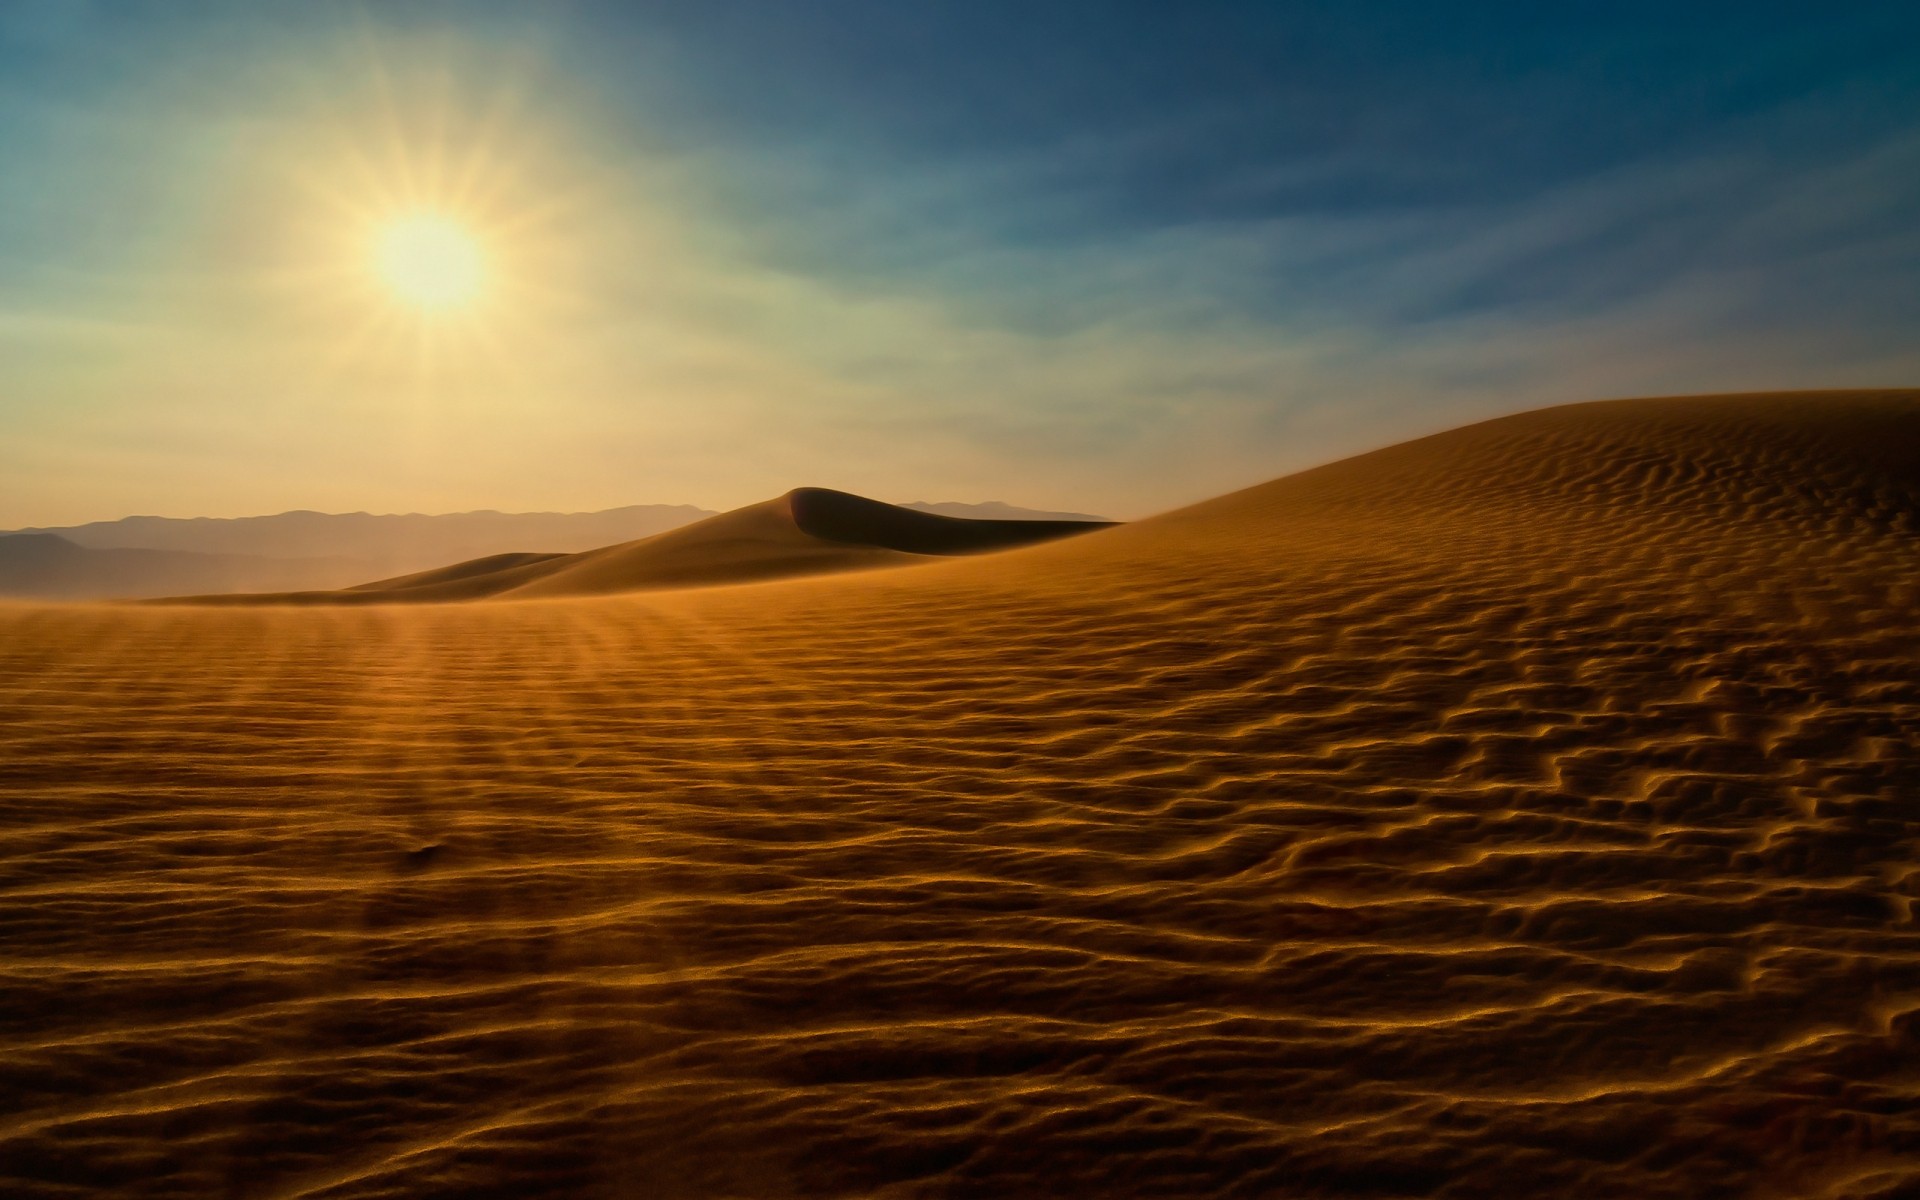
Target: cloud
1185, 358
1066, 303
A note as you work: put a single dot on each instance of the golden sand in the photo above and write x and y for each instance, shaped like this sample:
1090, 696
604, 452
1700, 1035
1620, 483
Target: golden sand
1530, 810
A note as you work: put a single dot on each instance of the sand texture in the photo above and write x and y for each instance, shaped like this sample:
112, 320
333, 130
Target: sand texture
1530, 810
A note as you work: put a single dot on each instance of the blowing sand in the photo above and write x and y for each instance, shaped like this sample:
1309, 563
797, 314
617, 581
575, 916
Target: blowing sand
1529, 810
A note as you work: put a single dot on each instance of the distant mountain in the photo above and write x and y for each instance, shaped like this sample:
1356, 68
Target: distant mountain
48, 567
410, 537
294, 551
997, 510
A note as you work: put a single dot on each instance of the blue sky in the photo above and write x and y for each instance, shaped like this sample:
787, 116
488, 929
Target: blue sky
1113, 257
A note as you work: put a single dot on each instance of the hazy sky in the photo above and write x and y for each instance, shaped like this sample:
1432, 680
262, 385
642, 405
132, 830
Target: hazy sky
1104, 256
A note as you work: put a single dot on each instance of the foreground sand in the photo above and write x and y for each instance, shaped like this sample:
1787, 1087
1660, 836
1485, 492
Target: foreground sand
1530, 810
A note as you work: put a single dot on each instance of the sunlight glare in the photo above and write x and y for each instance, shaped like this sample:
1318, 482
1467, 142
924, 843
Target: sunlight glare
429, 262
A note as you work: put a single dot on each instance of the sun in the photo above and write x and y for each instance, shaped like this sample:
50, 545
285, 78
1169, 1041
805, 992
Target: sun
429, 262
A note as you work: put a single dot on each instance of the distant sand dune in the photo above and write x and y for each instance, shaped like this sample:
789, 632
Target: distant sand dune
854, 520
459, 574
1526, 811
808, 531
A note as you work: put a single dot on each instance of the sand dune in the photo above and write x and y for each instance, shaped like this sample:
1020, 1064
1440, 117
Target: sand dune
999, 510
808, 531
855, 520
453, 578
1523, 811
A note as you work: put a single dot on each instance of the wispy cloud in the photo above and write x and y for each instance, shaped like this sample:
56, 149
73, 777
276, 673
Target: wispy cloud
1113, 291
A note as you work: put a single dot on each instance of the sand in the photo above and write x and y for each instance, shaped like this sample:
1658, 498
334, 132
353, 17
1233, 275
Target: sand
808, 531
1524, 811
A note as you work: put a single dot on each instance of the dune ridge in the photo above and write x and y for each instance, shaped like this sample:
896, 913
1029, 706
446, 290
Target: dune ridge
1521, 811
808, 531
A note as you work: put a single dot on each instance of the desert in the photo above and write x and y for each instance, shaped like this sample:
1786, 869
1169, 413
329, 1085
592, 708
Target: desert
959, 600
1525, 810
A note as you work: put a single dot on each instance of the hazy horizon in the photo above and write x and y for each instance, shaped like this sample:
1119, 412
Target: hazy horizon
917, 502
703, 254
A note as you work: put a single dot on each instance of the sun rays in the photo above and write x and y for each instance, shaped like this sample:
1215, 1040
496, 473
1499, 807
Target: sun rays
437, 220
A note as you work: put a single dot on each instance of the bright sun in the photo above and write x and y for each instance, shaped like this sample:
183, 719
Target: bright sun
429, 262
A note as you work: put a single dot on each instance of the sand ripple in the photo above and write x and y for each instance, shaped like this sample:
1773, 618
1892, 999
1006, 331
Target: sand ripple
1526, 813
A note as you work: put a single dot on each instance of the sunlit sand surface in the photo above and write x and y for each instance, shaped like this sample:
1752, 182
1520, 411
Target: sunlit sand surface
1524, 811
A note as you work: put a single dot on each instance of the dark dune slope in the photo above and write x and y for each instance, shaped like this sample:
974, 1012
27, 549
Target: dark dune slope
491, 566
855, 520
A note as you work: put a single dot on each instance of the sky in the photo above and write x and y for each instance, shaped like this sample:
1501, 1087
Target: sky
1109, 257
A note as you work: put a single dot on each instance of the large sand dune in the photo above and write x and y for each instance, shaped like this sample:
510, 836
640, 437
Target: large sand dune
808, 531
1528, 810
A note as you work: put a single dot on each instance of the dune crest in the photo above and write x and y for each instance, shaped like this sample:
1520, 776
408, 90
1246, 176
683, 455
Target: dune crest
1526, 811
855, 520
808, 531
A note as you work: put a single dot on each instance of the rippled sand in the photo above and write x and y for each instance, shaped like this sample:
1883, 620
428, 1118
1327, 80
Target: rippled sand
1527, 811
